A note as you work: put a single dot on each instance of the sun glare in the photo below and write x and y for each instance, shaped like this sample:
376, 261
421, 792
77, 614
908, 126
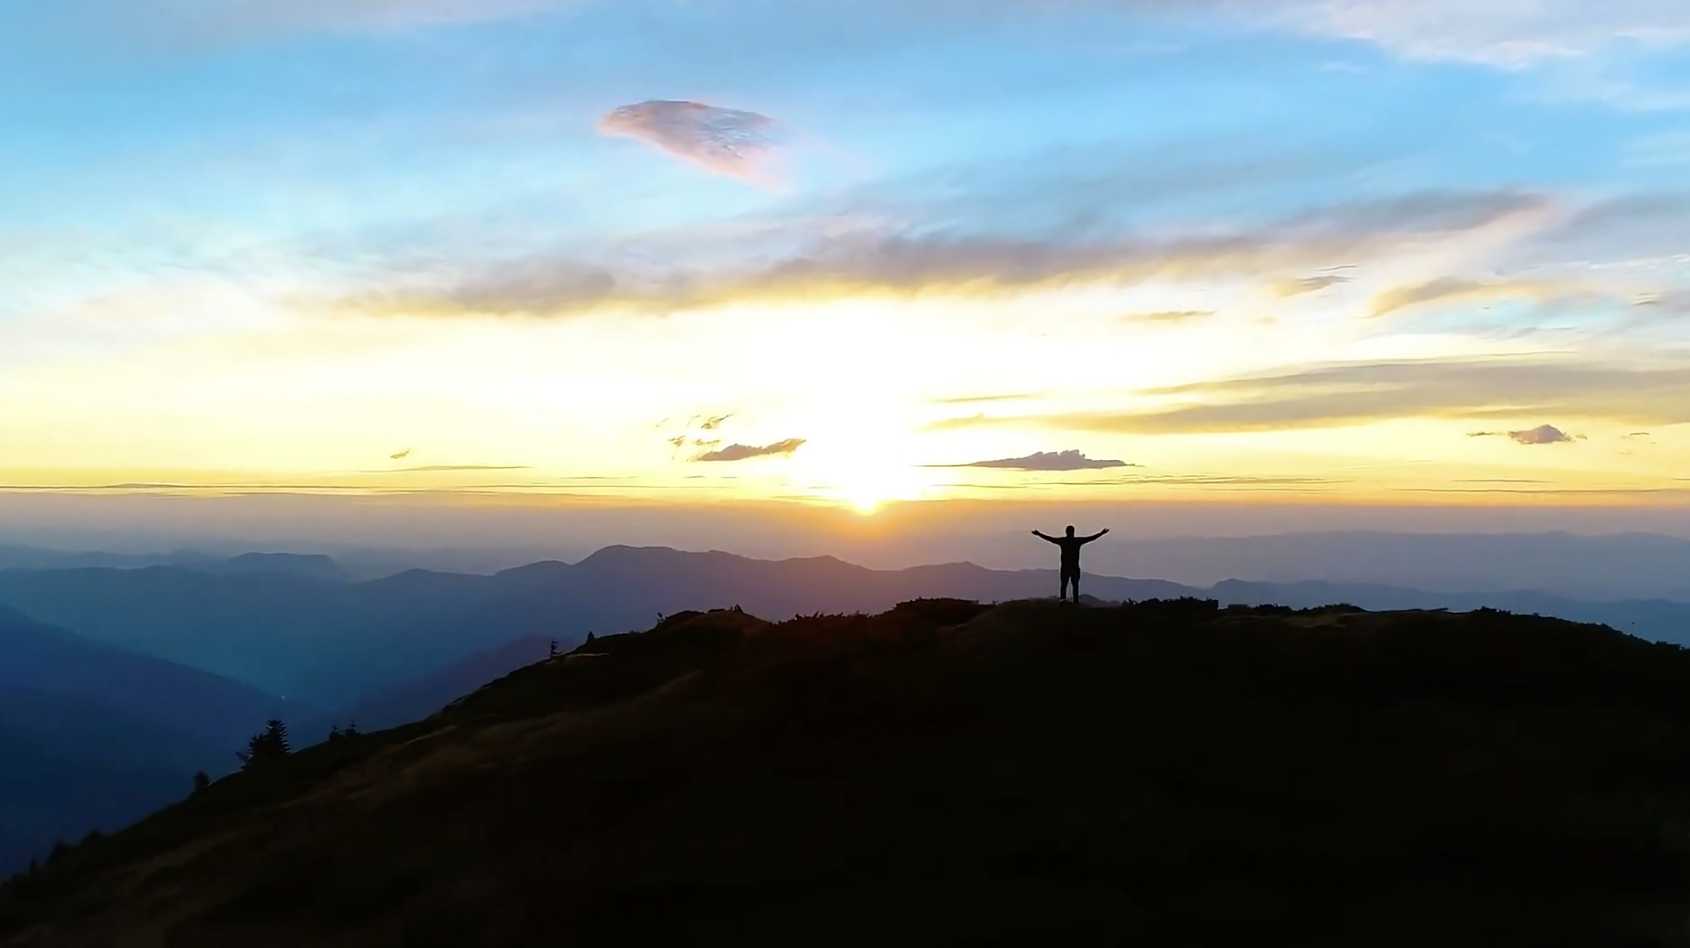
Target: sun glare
869, 488
866, 502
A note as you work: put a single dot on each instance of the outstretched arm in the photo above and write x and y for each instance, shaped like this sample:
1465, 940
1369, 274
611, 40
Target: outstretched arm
1043, 537
1094, 536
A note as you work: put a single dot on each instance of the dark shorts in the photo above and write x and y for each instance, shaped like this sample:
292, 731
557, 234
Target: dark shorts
1070, 573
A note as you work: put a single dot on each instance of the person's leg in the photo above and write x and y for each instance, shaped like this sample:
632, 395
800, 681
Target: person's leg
1075, 579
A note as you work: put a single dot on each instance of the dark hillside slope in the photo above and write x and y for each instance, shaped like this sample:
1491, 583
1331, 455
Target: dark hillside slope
950, 773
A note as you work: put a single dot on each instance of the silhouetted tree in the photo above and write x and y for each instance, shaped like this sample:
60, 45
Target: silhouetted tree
267, 746
202, 780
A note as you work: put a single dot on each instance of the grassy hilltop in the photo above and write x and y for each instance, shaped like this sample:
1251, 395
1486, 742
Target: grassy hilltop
948, 772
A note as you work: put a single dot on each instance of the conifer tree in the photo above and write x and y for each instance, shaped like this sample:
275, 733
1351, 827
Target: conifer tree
267, 746
277, 732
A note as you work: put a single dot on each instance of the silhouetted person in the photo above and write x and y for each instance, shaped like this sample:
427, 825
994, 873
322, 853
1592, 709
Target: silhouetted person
1070, 557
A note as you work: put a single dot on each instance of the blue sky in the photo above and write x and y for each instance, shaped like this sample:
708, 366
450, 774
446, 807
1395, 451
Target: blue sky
223, 222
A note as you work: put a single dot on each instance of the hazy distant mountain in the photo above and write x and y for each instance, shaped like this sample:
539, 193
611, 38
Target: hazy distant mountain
51, 661
302, 635
24, 557
1580, 567
949, 773
1658, 619
420, 698
291, 626
311, 637
297, 564
93, 736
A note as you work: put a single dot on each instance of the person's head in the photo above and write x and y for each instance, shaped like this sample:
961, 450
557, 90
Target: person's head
1070, 529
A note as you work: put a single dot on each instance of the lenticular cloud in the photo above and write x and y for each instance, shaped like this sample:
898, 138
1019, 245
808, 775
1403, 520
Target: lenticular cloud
725, 141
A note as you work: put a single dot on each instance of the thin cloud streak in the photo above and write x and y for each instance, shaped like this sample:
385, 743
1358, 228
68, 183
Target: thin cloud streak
1452, 289
1168, 316
1513, 36
1071, 460
743, 452
1554, 491
430, 468
1302, 285
976, 399
225, 22
1357, 393
1542, 434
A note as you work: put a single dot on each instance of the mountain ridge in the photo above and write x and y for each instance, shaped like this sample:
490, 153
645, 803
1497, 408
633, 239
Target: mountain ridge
951, 772
331, 641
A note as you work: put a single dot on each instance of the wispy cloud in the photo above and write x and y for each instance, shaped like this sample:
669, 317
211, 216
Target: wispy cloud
1659, 150
1631, 209
1228, 480
1553, 491
1213, 481
1168, 316
1309, 284
730, 142
1542, 434
876, 256
1071, 460
698, 431
975, 399
742, 452
221, 21
1671, 303
1508, 35
1449, 289
431, 468
535, 286
1355, 393
390, 14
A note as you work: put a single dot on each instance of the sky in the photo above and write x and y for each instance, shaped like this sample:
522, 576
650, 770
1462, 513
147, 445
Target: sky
1321, 252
